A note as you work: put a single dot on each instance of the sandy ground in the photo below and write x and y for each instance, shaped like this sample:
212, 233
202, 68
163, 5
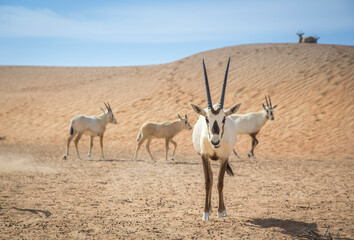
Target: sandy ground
302, 179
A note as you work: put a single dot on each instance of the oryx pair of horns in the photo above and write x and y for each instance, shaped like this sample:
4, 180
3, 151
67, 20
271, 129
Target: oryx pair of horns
221, 102
185, 116
108, 106
269, 105
270, 102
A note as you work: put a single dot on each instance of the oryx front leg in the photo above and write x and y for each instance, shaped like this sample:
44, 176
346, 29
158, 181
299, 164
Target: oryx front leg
77, 139
208, 185
101, 143
221, 209
90, 149
173, 153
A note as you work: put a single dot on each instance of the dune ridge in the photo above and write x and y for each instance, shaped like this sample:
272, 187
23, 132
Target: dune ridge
313, 86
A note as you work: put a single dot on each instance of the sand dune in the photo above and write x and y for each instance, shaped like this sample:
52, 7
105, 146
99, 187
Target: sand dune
313, 86
303, 178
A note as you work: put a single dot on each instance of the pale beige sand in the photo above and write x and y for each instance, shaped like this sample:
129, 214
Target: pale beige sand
303, 177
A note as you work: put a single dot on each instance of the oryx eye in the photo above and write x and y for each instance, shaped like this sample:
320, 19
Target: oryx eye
206, 119
223, 121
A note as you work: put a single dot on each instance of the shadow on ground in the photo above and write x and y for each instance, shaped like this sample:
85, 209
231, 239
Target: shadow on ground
289, 227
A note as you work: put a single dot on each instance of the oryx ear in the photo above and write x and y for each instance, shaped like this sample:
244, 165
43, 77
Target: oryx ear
275, 106
179, 117
232, 110
198, 110
102, 110
264, 107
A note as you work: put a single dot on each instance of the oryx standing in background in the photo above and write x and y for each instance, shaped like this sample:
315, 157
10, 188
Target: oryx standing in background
213, 139
93, 126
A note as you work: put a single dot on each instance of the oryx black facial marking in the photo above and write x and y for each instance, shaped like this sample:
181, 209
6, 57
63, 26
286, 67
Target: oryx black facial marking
215, 112
215, 129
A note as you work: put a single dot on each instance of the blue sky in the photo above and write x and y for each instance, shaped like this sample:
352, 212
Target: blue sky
124, 33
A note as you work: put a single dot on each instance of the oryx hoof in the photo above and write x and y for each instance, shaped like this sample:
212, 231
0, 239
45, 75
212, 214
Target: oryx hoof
89, 158
65, 157
172, 158
222, 214
205, 216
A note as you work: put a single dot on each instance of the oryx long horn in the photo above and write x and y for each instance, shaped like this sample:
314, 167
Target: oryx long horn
221, 103
266, 100
109, 105
210, 104
106, 106
270, 102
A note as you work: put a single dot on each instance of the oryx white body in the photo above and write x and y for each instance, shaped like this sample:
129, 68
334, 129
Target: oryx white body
213, 139
252, 123
164, 130
89, 125
249, 122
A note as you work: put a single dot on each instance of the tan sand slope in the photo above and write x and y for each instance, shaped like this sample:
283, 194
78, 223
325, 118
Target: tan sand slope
313, 86
303, 179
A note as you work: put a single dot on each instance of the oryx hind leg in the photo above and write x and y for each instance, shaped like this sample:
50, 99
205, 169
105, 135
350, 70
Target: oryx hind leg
65, 157
148, 148
167, 141
140, 142
254, 144
235, 153
76, 141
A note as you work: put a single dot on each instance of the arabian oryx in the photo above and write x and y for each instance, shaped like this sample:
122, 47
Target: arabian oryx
213, 139
93, 126
164, 130
252, 123
309, 39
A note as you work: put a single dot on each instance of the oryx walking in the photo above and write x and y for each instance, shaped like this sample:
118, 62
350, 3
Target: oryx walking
164, 130
92, 126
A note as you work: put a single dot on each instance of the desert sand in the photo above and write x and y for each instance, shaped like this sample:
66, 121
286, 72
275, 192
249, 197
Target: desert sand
302, 179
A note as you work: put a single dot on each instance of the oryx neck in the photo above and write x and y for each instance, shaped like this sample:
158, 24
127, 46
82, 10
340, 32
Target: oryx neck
104, 117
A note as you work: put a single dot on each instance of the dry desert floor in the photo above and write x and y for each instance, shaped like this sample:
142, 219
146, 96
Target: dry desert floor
301, 181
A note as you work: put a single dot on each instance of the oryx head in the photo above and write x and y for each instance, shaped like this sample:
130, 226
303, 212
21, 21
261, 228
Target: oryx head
110, 113
269, 108
185, 122
215, 118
